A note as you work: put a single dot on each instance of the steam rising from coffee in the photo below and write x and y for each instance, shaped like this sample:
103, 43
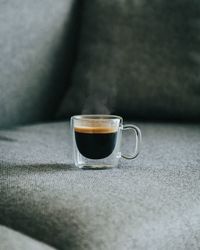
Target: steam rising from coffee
100, 94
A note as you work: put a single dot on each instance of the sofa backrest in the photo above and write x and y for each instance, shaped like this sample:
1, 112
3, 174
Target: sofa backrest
36, 51
138, 59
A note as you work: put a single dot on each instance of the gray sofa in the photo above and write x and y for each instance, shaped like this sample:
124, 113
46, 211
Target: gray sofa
152, 202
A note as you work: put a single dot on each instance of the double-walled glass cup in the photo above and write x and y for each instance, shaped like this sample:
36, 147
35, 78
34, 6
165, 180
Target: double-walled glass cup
97, 140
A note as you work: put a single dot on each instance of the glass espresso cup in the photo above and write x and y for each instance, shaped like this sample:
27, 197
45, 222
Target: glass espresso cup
97, 141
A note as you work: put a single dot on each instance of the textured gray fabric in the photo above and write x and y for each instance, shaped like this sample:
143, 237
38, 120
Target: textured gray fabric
138, 58
36, 39
12, 240
149, 203
165, 146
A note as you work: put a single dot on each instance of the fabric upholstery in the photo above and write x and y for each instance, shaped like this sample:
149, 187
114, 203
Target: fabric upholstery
12, 240
36, 51
151, 202
139, 59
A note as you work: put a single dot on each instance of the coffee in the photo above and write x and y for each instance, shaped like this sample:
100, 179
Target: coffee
95, 142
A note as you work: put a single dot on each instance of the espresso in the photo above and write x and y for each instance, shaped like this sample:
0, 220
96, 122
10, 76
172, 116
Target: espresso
95, 142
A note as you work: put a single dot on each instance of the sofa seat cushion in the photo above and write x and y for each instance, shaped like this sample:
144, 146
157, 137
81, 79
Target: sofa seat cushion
149, 203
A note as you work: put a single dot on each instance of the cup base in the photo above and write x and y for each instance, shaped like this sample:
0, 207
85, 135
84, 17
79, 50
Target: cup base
95, 167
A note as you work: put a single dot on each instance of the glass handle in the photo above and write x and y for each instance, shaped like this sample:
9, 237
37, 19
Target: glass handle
138, 137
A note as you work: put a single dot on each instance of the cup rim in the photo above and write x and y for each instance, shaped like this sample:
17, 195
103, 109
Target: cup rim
96, 116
